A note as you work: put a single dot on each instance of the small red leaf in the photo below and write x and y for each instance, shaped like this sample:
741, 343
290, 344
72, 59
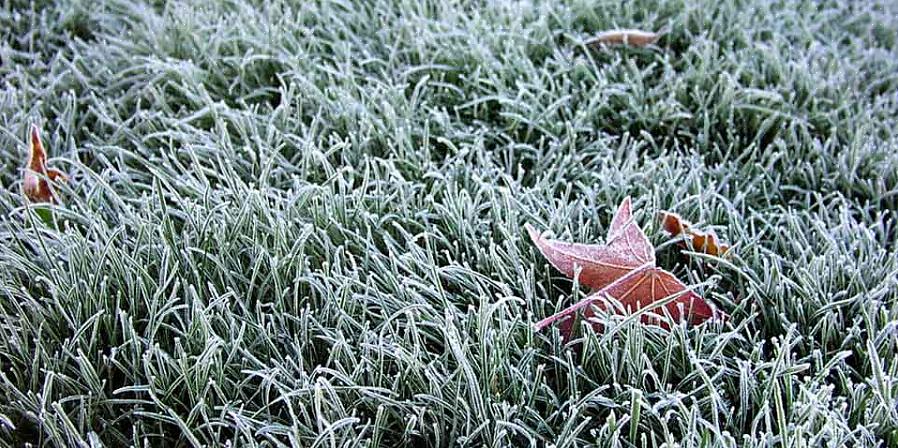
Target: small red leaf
623, 269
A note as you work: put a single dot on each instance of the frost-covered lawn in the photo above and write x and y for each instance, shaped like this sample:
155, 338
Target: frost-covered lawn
301, 223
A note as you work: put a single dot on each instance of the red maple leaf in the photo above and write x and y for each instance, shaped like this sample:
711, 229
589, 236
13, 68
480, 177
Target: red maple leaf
623, 269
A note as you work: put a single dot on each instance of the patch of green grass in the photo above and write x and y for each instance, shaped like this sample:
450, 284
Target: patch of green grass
301, 223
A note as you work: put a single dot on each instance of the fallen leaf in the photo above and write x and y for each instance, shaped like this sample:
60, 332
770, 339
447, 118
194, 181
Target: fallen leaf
631, 37
626, 248
701, 241
34, 184
673, 224
640, 290
624, 269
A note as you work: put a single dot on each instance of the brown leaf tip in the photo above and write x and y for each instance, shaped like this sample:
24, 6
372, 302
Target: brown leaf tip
672, 223
37, 157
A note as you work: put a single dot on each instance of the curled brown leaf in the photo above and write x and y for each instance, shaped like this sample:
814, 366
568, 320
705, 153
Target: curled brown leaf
701, 241
35, 184
631, 37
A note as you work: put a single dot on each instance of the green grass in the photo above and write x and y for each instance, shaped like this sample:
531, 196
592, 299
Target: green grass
301, 223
